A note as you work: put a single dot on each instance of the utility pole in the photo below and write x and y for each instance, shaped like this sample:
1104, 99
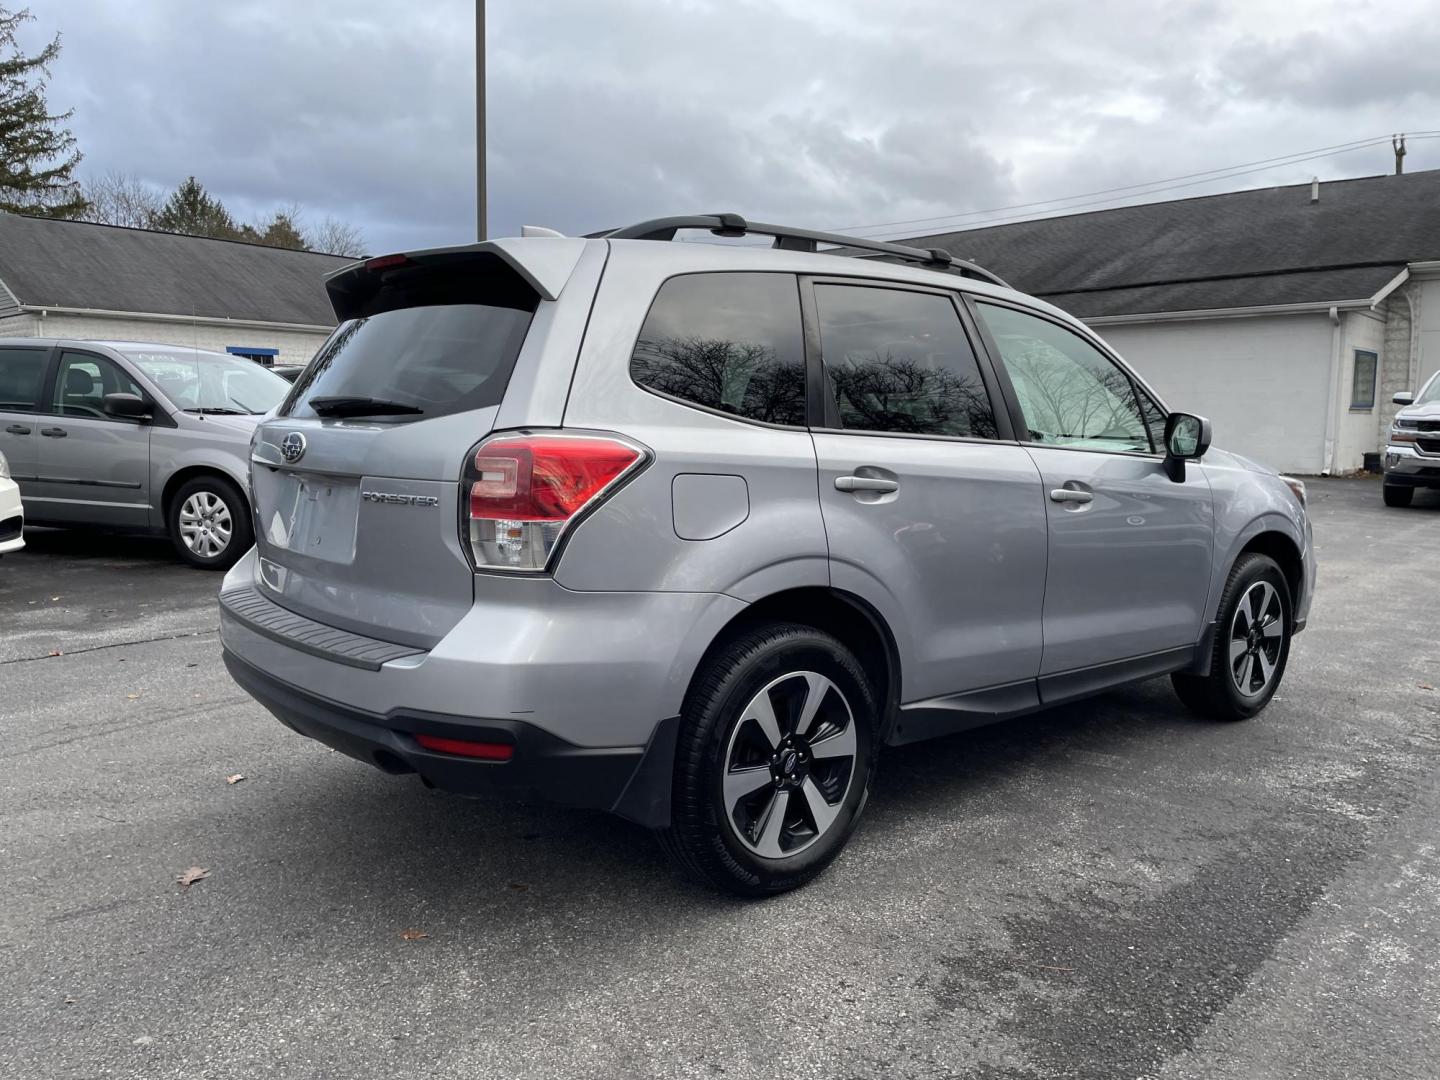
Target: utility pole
480, 119
1398, 142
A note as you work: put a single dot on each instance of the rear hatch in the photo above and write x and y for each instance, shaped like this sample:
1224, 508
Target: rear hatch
356, 477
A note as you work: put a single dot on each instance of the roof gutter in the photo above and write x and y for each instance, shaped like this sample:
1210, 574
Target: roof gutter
188, 320
1319, 307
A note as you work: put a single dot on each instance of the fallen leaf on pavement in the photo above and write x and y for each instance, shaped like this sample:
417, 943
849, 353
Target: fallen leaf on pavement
413, 935
194, 874
69, 1000
132, 697
235, 778
56, 652
518, 886
1426, 686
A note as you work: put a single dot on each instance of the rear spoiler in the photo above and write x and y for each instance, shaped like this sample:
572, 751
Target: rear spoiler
544, 263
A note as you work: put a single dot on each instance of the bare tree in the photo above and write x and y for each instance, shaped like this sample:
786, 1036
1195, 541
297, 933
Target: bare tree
336, 237
121, 199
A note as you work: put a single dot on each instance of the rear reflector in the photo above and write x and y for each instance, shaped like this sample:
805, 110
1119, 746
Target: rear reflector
487, 751
523, 491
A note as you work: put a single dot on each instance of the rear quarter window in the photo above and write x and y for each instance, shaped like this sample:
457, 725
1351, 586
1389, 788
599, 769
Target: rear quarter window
731, 342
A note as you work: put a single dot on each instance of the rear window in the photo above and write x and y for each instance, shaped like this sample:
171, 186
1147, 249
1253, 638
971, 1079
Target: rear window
439, 358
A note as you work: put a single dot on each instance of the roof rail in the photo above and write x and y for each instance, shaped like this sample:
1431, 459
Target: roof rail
800, 240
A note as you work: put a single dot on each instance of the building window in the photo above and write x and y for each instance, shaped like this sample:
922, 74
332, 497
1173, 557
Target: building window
263, 357
1362, 387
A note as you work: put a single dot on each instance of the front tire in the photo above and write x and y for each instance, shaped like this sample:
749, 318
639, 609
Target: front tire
1397, 494
1252, 644
209, 523
774, 762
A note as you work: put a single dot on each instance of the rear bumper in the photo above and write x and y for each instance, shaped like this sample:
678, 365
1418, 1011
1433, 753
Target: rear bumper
1407, 467
12, 517
632, 781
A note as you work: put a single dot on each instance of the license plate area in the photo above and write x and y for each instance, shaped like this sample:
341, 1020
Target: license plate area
307, 514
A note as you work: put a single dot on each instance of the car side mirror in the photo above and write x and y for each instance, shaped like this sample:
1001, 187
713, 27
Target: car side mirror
127, 406
1187, 438
1404, 397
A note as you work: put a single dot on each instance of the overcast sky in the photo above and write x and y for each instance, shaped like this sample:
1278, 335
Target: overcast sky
827, 113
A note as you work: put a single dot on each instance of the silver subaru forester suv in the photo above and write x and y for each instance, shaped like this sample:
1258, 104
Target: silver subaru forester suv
688, 532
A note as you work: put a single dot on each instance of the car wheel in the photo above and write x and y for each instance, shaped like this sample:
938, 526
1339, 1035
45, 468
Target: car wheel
1252, 644
210, 523
1398, 494
774, 761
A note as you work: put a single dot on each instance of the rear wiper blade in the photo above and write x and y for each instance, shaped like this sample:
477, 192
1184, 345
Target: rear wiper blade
361, 406
217, 411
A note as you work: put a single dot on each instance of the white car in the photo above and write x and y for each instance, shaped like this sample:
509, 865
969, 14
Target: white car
12, 515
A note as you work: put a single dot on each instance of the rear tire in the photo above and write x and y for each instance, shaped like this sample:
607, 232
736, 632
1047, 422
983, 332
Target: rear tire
209, 523
1252, 644
1397, 494
774, 761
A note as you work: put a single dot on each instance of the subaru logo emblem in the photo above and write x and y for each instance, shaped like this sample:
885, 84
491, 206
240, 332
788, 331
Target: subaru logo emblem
292, 447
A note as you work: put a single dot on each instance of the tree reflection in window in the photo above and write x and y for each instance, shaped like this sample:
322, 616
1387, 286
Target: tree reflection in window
1070, 393
898, 393
727, 341
899, 361
743, 378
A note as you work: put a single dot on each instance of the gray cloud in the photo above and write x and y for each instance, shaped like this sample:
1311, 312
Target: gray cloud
821, 112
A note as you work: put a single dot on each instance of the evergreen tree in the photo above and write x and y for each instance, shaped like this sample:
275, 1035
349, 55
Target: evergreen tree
37, 153
282, 231
194, 211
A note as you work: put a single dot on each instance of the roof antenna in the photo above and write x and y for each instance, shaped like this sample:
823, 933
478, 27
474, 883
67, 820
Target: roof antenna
1398, 142
1314, 189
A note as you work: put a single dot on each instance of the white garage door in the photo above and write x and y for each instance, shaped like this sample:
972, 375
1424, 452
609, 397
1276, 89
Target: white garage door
1261, 381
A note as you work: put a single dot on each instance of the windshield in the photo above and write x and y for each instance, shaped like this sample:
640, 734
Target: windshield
212, 382
1430, 394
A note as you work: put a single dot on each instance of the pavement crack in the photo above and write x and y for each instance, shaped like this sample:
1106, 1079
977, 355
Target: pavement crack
61, 654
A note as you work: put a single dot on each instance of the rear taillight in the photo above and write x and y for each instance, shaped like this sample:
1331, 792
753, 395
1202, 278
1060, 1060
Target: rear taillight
522, 492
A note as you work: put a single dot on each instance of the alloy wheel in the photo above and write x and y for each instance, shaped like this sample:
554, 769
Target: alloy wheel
1257, 634
789, 765
205, 524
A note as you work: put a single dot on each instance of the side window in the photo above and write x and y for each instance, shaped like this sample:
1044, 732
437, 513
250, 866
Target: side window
731, 342
83, 381
1070, 392
898, 361
21, 373
1155, 418
1362, 380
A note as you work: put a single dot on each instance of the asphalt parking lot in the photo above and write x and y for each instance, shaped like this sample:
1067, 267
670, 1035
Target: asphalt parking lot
1110, 890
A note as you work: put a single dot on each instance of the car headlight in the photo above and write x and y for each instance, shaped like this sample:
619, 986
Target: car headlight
1297, 486
4, 466
1399, 435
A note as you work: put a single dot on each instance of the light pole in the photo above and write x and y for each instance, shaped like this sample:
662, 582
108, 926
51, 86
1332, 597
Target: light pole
480, 119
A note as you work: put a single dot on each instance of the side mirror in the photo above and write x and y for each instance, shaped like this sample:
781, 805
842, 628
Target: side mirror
1404, 398
127, 406
1187, 437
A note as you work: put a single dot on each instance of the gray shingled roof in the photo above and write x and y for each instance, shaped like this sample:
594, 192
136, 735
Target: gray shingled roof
1241, 249
82, 265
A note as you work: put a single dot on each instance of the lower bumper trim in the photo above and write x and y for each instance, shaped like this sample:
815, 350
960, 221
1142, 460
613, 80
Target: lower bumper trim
542, 766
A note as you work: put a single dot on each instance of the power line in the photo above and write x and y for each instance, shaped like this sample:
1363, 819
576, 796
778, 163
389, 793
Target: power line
1151, 187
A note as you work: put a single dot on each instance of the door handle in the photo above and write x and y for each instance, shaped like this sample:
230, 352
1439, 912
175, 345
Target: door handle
18, 429
53, 432
865, 483
1069, 495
